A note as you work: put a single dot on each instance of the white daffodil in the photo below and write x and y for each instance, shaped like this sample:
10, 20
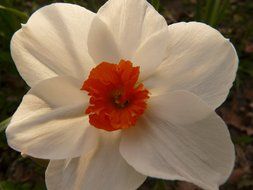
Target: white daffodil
119, 95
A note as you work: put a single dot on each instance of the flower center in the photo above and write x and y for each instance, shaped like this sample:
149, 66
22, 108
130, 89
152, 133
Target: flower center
116, 99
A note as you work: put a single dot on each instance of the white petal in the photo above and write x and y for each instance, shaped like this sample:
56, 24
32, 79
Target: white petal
101, 44
61, 91
200, 60
50, 123
151, 54
53, 42
138, 29
180, 137
101, 169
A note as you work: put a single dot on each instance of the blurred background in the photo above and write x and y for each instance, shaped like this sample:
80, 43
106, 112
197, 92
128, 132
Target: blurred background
233, 18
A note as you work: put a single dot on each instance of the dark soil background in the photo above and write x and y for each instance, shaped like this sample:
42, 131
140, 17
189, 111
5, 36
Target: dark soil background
232, 17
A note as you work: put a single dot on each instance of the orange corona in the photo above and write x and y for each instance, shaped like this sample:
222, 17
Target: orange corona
116, 99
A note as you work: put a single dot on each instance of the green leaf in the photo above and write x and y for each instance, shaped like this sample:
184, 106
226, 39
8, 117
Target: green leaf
7, 185
245, 183
41, 162
70, 1
223, 8
15, 12
4, 124
211, 11
246, 67
93, 5
244, 140
40, 187
156, 4
208, 9
5, 57
198, 11
215, 13
160, 185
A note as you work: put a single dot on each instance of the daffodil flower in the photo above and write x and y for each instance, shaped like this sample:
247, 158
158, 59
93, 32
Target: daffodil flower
119, 95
